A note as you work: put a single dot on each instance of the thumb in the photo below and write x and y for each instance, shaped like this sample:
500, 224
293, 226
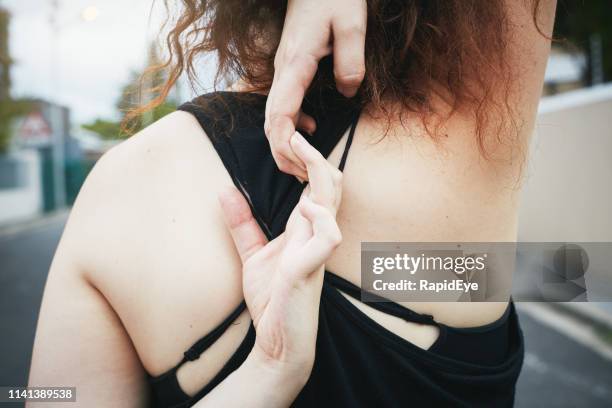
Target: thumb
246, 233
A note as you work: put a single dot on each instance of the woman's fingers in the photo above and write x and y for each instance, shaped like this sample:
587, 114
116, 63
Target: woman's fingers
349, 31
321, 175
306, 123
288, 166
283, 154
246, 233
291, 79
326, 235
312, 30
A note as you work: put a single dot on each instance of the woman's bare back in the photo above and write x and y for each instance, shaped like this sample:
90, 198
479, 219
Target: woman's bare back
159, 253
146, 263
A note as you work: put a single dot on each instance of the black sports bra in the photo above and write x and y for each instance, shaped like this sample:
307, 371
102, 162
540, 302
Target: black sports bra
358, 362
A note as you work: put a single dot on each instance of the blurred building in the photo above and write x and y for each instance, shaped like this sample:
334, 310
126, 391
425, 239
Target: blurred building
41, 166
46, 129
91, 144
33, 169
564, 71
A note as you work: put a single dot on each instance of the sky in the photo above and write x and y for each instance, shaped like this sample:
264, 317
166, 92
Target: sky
94, 59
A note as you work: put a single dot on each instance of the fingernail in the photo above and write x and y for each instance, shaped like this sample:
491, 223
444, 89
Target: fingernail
348, 92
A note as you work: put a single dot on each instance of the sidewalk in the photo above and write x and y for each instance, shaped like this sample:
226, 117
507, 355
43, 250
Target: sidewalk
598, 314
585, 323
16, 227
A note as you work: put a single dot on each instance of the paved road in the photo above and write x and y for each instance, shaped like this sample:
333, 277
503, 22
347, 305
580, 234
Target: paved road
558, 372
25, 257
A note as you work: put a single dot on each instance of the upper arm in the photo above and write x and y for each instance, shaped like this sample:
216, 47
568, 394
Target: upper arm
80, 341
129, 288
529, 46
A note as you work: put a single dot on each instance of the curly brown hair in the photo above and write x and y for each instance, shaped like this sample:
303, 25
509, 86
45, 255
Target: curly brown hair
416, 50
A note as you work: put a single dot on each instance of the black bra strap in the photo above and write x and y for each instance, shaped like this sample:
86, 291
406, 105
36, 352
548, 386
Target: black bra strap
194, 352
349, 140
378, 302
205, 342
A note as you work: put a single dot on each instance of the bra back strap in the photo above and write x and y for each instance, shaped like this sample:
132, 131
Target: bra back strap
349, 141
377, 302
194, 352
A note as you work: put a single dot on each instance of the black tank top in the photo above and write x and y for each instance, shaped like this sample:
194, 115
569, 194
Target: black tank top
358, 362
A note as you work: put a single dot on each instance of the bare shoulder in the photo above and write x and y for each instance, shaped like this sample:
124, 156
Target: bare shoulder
148, 233
146, 187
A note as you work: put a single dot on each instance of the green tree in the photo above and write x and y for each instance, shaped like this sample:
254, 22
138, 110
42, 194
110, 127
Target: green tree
5, 82
105, 128
9, 108
5, 58
140, 88
576, 24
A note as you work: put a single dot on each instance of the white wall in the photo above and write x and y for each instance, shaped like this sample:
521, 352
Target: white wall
568, 192
24, 202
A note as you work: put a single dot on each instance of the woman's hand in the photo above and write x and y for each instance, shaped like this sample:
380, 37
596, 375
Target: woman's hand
312, 30
282, 279
282, 282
